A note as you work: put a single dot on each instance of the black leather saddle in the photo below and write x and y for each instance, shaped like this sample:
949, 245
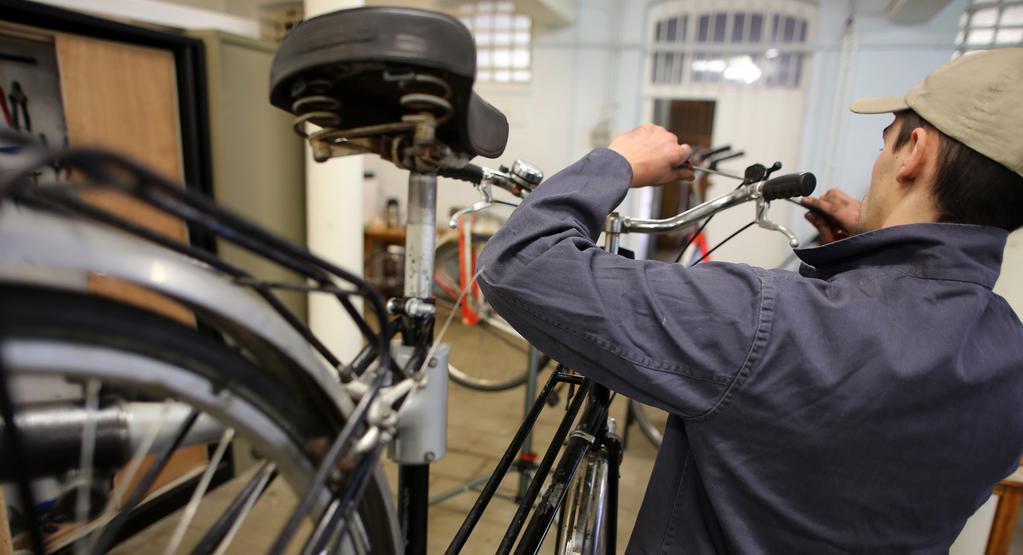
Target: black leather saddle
353, 69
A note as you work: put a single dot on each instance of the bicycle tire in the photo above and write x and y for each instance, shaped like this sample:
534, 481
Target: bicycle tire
176, 358
584, 525
482, 336
646, 422
466, 344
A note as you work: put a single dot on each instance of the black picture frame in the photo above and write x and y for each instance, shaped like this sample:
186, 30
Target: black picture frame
190, 69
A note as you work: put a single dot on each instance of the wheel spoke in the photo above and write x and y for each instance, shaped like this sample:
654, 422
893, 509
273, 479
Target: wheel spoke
109, 533
200, 491
360, 541
327, 465
82, 500
138, 457
222, 527
333, 527
132, 468
246, 508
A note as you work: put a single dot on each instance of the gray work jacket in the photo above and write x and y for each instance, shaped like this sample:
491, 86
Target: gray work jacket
867, 404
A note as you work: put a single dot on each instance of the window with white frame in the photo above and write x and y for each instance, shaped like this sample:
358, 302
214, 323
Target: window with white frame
990, 24
503, 40
745, 48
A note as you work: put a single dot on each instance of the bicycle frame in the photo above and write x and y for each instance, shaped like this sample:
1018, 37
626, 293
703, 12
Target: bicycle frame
592, 430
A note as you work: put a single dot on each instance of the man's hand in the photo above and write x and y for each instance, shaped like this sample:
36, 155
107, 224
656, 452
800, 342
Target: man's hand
654, 154
835, 214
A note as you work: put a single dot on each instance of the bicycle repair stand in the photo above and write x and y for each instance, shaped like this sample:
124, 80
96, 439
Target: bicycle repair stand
525, 464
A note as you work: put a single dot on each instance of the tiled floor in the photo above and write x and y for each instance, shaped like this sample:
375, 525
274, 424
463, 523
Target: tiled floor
480, 426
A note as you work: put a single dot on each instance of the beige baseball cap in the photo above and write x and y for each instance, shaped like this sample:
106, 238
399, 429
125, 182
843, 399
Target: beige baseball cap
976, 99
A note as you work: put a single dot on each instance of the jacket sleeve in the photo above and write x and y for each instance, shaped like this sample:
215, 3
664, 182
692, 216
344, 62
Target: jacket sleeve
675, 338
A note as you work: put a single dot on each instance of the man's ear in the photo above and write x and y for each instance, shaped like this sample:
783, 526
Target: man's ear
921, 154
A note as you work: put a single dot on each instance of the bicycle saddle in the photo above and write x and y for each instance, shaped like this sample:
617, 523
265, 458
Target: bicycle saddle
371, 66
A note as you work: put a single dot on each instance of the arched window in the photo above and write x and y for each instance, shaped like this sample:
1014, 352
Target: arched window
696, 43
503, 40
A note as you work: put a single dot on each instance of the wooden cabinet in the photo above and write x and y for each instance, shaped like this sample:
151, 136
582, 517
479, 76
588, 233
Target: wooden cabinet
258, 160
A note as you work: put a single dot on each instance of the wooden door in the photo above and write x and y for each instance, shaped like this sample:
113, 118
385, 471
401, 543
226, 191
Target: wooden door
693, 122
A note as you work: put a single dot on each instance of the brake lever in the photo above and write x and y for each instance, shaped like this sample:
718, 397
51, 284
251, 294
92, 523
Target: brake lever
763, 221
480, 205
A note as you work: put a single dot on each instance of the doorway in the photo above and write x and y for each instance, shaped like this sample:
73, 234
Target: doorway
693, 122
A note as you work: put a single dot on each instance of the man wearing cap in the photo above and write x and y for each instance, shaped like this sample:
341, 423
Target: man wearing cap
867, 403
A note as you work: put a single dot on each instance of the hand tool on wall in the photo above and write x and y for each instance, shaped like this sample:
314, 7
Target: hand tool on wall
18, 100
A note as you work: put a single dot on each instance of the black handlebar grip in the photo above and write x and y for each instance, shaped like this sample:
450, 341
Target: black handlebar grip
470, 172
789, 185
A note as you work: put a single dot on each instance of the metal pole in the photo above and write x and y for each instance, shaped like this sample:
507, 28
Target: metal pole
420, 235
612, 232
420, 246
526, 455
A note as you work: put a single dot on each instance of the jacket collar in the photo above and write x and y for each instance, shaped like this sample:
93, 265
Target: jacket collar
934, 251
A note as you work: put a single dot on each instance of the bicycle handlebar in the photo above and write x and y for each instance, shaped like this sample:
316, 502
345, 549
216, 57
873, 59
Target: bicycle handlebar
522, 178
785, 186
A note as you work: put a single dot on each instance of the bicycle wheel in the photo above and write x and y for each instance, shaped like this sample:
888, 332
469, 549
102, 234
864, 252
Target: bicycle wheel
476, 343
583, 526
123, 383
649, 420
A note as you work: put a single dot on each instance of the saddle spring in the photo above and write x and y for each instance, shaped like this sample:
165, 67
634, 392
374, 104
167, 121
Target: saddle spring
423, 92
426, 99
316, 106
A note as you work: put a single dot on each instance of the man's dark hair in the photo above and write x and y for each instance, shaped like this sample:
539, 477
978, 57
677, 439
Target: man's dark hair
970, 188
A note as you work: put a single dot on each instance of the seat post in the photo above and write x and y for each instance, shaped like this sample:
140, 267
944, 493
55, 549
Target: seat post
420, 234
420, 246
